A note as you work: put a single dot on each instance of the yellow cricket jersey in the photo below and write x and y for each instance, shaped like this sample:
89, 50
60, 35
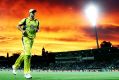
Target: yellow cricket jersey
30, 26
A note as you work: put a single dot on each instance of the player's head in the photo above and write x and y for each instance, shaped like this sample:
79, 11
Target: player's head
32, 13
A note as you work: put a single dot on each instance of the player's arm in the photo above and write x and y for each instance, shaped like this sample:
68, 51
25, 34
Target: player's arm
37, 30
21, 23
19, 27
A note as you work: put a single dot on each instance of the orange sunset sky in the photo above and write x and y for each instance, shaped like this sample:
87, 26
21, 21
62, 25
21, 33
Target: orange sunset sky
63, 24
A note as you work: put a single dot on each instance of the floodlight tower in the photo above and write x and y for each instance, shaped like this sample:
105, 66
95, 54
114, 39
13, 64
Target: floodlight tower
92, 14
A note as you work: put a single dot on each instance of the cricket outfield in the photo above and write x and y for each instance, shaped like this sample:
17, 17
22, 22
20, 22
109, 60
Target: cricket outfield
50, 75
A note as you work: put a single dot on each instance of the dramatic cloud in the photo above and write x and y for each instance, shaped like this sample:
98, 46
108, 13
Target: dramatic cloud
105, 32
63, 25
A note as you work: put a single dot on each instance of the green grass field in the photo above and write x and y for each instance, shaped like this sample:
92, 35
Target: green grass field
7, 75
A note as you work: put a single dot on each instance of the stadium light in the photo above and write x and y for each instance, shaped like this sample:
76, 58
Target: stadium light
92, 14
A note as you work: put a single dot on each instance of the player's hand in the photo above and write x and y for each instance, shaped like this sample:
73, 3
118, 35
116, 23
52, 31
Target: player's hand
37, 30
24, 33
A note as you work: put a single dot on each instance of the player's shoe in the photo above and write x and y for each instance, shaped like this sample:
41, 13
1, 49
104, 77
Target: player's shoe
14, 70
27, 76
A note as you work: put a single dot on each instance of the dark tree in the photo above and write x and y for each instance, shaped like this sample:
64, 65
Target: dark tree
106, 44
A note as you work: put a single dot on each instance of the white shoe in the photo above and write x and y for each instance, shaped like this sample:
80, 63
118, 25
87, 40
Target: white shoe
14, 70
27, 76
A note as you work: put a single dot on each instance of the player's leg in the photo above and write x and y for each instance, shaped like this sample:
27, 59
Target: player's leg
27, 61
27, 57
19, 61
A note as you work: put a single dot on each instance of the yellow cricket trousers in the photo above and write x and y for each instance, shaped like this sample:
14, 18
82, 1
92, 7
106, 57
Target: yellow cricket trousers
26, 56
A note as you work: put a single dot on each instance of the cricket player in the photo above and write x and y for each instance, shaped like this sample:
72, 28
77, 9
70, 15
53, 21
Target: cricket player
29, 27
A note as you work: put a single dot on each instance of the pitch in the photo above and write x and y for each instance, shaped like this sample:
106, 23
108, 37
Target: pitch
50, 75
